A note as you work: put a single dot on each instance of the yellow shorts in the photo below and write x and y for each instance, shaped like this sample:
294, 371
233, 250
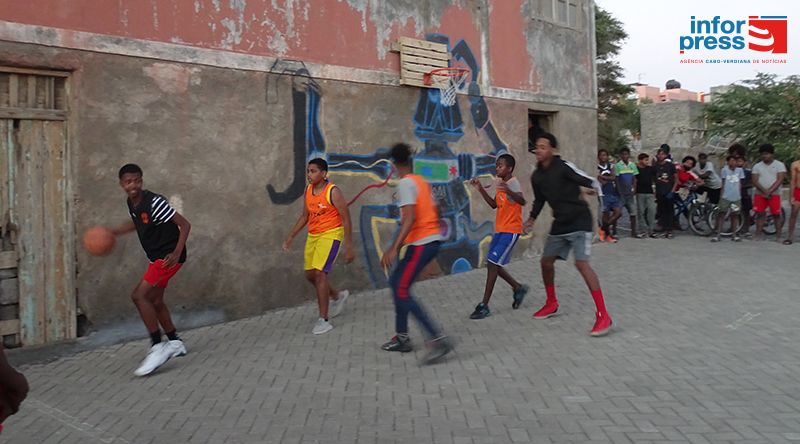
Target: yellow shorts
322, 249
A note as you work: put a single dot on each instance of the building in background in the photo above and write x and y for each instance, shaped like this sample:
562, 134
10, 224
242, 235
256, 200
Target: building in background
648, 93
223, 102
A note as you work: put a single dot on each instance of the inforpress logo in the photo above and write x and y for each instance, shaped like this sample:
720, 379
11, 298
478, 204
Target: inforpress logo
769, 33
766, 33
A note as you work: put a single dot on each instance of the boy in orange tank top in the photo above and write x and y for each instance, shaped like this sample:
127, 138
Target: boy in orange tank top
508, 202
328, 218
421, 233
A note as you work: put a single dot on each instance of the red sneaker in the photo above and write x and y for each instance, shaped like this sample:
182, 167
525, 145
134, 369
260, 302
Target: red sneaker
602, 326
547, 311
601, 234
611, 239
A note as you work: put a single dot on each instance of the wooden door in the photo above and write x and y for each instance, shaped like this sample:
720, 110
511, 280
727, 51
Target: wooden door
37, 254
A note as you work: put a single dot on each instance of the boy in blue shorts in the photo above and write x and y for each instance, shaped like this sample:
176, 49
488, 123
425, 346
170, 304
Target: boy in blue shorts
508, 202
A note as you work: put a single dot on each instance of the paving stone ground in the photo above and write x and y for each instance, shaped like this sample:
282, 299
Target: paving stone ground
706, 349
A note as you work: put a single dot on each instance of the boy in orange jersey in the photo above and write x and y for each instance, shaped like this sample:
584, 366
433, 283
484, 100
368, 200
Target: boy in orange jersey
508, 227
328, 218
421, 233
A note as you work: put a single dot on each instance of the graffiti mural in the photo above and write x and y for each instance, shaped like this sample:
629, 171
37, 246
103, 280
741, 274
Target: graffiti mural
437, 127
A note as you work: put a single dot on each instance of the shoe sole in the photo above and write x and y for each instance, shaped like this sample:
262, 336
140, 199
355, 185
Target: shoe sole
476, 318
553, 314
136, 372
430, 360
603, 332
398, 351
321, 332
180, 354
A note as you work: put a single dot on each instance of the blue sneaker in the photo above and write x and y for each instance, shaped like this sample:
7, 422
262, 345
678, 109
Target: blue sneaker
519, 295
481, 311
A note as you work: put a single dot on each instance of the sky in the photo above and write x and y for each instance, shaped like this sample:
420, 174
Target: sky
651, 54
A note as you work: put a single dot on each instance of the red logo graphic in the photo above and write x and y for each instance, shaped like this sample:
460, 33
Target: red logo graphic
768, 33
145, 218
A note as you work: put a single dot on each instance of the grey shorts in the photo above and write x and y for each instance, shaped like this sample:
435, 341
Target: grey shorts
559, 245
734, 206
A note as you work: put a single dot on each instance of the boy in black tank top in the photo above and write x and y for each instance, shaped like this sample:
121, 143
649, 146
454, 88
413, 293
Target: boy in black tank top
162, 232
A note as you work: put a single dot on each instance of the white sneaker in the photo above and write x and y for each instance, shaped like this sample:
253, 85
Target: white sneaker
322, 326
156, 357
177, 347
338, 305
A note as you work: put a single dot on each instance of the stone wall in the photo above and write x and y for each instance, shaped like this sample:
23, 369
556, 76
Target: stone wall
681, 124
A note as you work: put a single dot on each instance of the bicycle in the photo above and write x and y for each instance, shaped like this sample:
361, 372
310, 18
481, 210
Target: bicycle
768, 229
728, 219
694, 212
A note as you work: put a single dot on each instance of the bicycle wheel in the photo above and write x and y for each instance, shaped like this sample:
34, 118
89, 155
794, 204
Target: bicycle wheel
698, 219
769, 224
727, 223
681, 221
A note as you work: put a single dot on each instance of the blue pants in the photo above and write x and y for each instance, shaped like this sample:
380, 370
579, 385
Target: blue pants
407, 271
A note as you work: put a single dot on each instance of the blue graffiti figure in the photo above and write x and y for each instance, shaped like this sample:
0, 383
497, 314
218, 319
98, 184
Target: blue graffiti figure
437, 126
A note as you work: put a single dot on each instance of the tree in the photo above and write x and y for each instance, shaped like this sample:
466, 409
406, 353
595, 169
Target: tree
757, 111
615, 112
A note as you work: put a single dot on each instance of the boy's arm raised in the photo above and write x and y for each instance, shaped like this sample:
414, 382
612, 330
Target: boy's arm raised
514, 195
486, 197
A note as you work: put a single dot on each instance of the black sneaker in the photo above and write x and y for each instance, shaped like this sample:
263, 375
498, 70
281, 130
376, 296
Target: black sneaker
439, 347
398, 345
481, 311
519, 295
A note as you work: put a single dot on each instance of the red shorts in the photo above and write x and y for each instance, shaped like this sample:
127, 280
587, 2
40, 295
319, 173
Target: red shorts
760, 204
796, 195
158, 276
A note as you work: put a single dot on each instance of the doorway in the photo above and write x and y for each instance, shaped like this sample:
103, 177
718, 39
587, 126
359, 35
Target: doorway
37, 266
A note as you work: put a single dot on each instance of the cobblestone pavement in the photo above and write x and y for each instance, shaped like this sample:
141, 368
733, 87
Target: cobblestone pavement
705, 349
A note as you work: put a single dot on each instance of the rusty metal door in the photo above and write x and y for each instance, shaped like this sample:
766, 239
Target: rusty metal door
36, 252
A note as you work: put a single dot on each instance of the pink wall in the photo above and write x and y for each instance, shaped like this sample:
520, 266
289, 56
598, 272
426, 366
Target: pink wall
656, 95
338, 32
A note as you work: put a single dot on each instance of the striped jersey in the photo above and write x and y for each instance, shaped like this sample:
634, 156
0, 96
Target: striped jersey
153, 221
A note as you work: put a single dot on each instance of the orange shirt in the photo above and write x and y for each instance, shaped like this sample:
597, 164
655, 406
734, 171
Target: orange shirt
426, 223
508, 218
322, 215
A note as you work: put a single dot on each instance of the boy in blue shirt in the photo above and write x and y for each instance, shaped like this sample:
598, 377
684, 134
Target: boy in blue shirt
732, 177
626, 172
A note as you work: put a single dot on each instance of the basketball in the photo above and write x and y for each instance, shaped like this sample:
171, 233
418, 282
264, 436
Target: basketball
98, 241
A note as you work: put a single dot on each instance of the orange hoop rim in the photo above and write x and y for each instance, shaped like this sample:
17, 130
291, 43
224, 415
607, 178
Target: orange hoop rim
427, 78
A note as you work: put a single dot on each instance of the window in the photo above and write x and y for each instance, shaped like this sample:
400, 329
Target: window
574, 14
562, 12
538, 122
566, 13
547, 9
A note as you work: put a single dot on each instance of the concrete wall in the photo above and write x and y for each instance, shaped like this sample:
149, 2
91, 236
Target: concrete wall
226, 136
681, 124
515, 52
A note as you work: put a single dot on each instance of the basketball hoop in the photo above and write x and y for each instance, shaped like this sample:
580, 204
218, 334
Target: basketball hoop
448, 80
